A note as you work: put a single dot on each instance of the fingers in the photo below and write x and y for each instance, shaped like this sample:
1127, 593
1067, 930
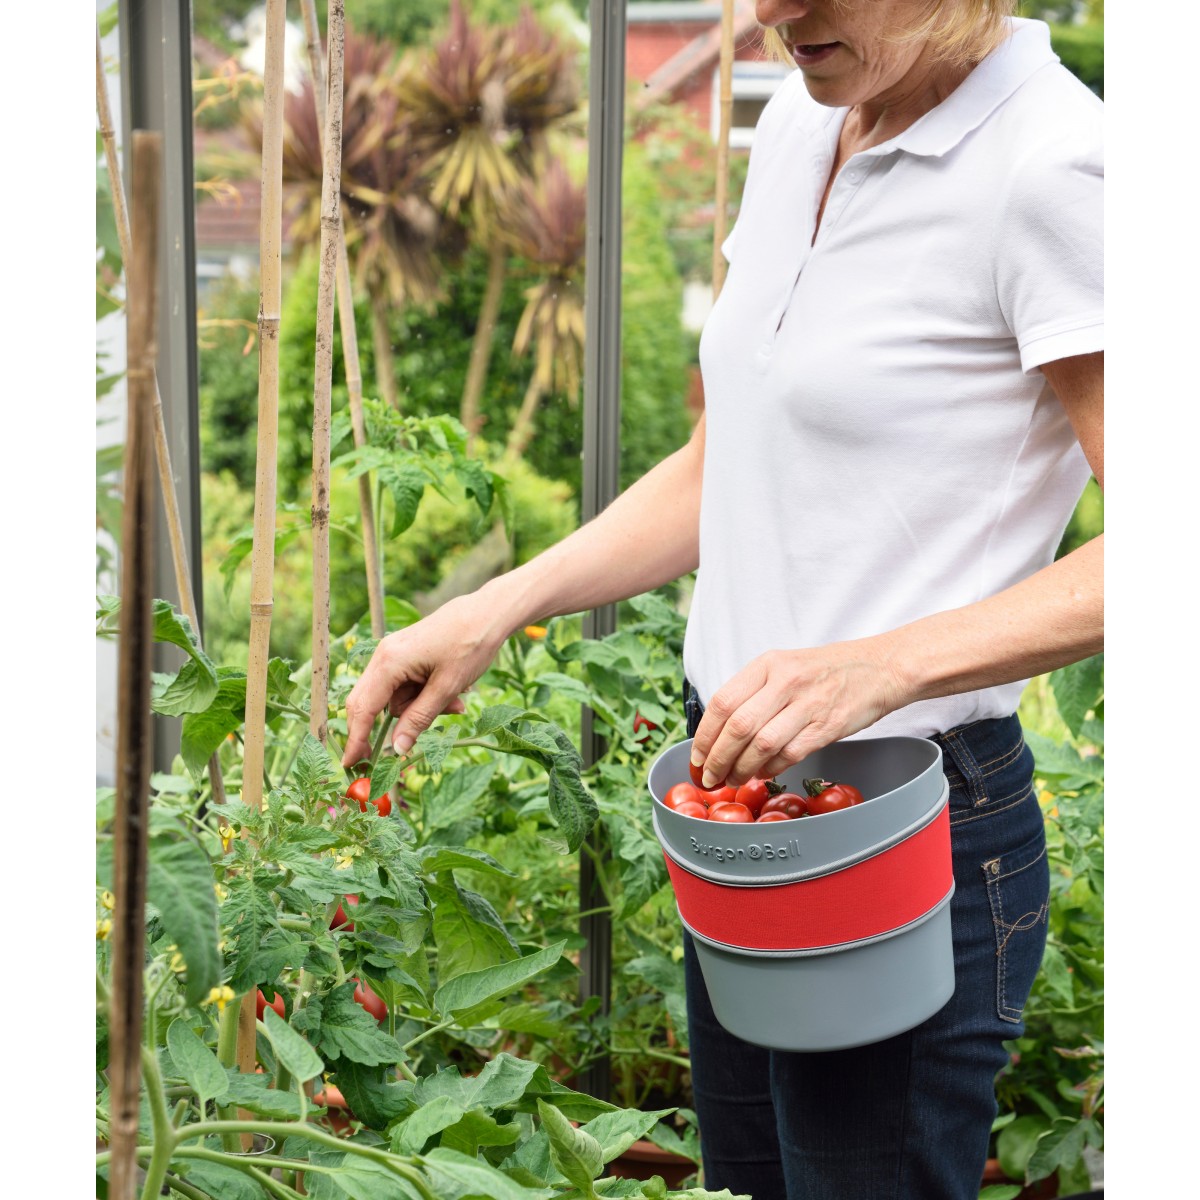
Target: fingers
368, 698
438, 695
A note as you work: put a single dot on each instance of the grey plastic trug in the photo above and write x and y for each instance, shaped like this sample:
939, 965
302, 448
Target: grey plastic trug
837, 996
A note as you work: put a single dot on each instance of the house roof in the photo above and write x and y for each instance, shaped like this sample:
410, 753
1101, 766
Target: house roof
701, 52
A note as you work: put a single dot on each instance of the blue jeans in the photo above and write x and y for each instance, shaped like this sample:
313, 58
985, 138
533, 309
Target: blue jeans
907, 1118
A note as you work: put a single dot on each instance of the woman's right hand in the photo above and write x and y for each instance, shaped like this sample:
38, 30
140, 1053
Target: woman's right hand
420, 672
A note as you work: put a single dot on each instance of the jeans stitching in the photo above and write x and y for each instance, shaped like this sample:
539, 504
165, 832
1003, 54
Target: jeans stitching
969, 769
1002, 760
971, 815
1021, 792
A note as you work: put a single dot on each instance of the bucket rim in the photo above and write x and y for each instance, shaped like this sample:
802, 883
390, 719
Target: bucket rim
850, 860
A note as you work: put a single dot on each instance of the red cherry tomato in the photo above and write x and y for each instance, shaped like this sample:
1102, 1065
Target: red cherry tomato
340, 920
692, 808
826, 797
261, 1004
697, 774
640, 722
360, 791
754, 793
719, 795
787, 803
771, 816
682, 793
736, 814
373, 1003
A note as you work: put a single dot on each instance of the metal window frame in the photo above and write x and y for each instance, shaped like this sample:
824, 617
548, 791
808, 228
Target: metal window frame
156, 81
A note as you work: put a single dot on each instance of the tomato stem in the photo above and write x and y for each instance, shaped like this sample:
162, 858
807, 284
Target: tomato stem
381, 739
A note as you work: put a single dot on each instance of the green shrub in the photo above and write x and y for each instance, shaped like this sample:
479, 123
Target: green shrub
1081, 48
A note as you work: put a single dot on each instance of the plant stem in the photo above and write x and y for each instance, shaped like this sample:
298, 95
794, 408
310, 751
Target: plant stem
184, 1188
163, 1145
381, 739
227, 1030
427, 1032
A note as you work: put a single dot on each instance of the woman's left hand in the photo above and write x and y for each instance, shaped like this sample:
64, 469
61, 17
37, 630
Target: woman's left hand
788, 703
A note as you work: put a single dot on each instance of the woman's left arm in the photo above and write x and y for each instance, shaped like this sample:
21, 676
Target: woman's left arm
788, 703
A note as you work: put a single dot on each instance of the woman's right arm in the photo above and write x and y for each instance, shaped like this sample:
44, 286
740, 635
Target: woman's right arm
648, 536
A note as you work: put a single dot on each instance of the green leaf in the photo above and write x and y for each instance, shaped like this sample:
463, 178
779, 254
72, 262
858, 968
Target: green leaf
454, 1176
191, 690
443, 858
107, 19
384, 773
406, 484
358, 1178
292, 1051
373, 1098
575, 1153
434, 744
217, 1179
248, 913
254, 1093
180, 886
467, 991
495, 716
477, 1128
1055, 975
196, 1062
347, 1031
1061, 1146
449, 799
571, 805
617, 1131
1000, 1191
468, 933
314, 770
1077, 689
203, 733
410, 1136
476, 481
640, 861
502, 1082
1015, 1144
1055, 760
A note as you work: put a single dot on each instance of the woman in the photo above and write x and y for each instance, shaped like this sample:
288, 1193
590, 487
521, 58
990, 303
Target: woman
904, 400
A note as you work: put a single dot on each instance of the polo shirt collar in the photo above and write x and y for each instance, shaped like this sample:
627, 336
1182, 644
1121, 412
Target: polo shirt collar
1022, 54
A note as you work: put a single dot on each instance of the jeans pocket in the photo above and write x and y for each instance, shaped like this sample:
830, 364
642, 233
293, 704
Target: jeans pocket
1018, 888
988, 767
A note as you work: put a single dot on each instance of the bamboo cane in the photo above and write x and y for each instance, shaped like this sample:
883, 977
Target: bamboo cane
166, 478
262, 566
133, 674
270, 297
331, 224
345, 307
720, 217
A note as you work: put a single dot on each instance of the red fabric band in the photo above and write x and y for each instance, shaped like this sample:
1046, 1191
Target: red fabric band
869, 898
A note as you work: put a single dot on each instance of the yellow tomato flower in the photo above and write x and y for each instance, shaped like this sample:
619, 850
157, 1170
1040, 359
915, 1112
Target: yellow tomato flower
103, 929
227, 834
107, 899
220, 891
536, 632
220, 996
177, 964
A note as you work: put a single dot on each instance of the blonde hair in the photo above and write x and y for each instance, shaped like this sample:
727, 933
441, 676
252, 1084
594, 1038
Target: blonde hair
961, 32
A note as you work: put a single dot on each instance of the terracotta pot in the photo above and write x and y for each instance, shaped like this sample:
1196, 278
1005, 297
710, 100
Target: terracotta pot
644, 1159
1044, 1189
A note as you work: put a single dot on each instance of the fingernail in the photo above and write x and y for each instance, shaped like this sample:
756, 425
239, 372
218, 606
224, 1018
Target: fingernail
697, 759
709, 780
402, 744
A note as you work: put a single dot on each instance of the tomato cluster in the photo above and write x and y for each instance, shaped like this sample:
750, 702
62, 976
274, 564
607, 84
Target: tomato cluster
758, 800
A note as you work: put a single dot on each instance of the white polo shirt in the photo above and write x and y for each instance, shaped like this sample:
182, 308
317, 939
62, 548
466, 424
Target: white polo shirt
880, 443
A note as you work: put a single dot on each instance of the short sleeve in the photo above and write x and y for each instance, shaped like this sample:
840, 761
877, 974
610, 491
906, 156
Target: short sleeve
1049, 252
727, 244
